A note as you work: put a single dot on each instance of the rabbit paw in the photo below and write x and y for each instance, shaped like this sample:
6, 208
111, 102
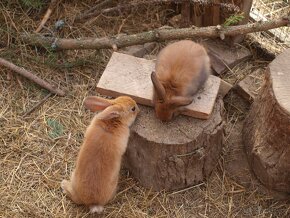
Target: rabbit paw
96, 209
63, 185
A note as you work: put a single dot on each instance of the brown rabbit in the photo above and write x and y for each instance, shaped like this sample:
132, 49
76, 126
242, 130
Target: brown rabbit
94, 181
181, 70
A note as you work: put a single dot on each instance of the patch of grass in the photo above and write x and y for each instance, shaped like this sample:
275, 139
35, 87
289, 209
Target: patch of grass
56, 128
35, 4
233, 20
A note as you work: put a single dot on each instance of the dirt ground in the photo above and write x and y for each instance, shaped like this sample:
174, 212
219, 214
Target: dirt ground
39, 150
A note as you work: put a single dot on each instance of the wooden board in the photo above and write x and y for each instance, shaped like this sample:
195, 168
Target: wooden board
225, 87
216, 13
128, 75
224, 57
250, 86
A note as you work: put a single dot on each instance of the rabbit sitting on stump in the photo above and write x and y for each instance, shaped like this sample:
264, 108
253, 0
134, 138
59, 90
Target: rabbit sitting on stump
182, 68
94, 180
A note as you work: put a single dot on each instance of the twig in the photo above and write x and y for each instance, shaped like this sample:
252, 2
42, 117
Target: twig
88, 13
123, 7
186, 189
161, 34
31, 76
45, 18
37, 105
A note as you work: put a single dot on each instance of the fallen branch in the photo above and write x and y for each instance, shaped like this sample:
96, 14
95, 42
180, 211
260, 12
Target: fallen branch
122, 7
31, 76
37, 105
159, 35
45, 18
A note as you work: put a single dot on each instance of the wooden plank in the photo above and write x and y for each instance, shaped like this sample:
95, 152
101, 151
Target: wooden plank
185, 13
249, 87
225, 87
224, 56
216, 13
128, 75
197, 15
207, 16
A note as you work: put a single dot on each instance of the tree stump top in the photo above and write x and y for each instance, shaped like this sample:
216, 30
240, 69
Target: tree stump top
280, 76
181, 130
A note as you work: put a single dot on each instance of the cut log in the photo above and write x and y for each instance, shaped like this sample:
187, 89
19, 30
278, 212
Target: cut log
176, 154
224, 57
266, 132
128, 75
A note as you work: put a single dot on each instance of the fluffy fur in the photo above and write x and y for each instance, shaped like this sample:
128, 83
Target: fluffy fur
181, 69
94, 180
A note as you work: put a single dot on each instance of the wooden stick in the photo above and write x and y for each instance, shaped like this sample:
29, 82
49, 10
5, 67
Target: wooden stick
123, 7
37, 105
159, 35
89, 12
31, 76
47, 15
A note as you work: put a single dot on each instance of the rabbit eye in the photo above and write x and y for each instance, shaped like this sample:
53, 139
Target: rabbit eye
133, 108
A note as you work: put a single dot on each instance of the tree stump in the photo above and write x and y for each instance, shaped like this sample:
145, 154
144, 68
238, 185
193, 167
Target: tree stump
177, 154
266, 133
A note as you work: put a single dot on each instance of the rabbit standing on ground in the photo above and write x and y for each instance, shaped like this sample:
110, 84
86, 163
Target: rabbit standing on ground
181, 70
94, 181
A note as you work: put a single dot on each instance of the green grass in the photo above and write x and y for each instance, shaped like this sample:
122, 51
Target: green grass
56, 128
233, 20
35, 4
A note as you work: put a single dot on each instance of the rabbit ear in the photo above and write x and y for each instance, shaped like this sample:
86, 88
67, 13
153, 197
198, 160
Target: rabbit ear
159, 88
94, 103
180, 101
109, 113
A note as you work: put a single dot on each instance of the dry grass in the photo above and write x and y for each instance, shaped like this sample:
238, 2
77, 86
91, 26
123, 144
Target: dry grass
275, 40
37, 152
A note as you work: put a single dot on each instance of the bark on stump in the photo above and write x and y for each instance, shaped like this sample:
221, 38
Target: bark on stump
266, 132
177, 154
